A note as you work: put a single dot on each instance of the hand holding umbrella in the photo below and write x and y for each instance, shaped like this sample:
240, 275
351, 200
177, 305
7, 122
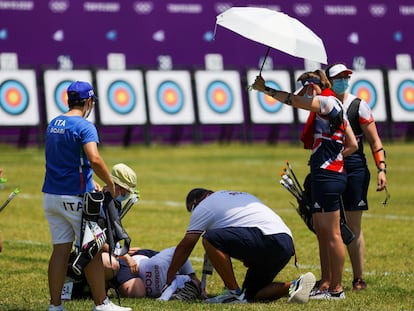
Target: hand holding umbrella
259, 84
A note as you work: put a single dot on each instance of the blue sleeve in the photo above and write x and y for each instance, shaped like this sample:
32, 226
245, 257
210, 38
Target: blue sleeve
89, 133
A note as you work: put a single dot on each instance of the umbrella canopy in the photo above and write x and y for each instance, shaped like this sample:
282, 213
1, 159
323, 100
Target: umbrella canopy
274, 29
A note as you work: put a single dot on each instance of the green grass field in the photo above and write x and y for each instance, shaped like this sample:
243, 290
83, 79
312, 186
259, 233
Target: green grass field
159, 220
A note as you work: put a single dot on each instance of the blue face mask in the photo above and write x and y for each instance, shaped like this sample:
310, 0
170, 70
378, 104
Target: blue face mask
121, 198
339, 86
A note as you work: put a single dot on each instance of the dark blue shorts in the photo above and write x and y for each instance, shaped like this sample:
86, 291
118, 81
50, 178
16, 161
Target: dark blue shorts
264, 255
327, 188
355, 195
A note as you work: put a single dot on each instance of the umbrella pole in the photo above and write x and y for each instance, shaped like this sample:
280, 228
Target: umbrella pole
214, 33
264, 60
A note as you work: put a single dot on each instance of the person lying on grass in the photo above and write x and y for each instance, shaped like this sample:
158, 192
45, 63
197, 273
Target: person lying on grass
143, 273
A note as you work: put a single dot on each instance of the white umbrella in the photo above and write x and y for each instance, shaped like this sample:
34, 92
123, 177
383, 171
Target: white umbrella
274, 29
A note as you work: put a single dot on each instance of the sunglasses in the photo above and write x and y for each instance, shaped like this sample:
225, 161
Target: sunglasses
311, 80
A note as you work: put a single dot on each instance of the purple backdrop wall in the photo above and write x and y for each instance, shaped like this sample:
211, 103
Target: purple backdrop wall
40, 31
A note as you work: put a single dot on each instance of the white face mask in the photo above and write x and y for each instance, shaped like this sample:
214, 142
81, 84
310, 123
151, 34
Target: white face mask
88, 111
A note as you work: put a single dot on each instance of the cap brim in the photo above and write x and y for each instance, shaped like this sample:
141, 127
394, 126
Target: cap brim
123, 185
337, 70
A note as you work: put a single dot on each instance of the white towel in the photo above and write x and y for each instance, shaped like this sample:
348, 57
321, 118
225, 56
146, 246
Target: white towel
178, 282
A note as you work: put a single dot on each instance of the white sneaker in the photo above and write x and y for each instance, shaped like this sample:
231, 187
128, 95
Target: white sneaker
317, 293
109, 306
56, 308
327, 295
228, 296
299, 289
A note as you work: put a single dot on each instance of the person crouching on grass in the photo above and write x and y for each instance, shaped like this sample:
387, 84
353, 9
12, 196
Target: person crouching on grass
238, 225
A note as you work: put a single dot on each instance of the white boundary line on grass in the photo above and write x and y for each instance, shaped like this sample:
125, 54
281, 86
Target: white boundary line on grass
284, 210
366, 214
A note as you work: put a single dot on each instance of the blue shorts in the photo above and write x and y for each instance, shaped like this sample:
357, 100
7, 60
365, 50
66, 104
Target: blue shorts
264, 255
327, 188
355, 195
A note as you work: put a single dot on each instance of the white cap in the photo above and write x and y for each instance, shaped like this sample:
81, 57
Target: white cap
336, 70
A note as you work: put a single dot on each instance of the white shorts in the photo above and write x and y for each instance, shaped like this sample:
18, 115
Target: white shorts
64, 215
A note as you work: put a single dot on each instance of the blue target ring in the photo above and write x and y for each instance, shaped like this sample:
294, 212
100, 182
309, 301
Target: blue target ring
405, 95
170, 97
219, 96
61, 95
268, 103
365, 90
121, 97
14, 98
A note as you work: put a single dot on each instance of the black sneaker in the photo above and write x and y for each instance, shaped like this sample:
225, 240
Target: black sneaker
328, 295
335, 295
228, 296
189, 292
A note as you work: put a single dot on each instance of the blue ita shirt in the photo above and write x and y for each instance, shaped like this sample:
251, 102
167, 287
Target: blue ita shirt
68, 170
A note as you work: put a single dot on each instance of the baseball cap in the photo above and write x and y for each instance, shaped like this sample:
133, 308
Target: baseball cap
336, 70
124, 176
80, 90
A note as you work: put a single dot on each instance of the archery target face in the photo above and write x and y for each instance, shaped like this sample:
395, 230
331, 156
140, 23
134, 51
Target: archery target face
18, 98
121, 99
170, 99
401, 89
365, 90
405, 94
61, 96
14, 98
56, 83
369, 85
219, 97
265, 109
268, 103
